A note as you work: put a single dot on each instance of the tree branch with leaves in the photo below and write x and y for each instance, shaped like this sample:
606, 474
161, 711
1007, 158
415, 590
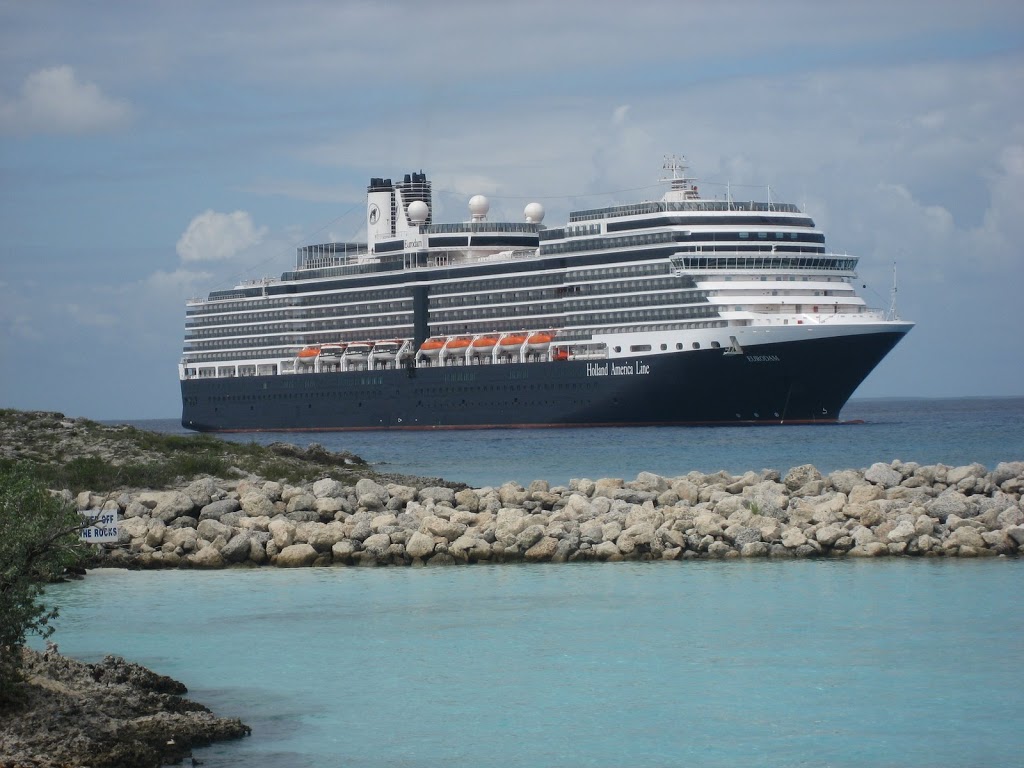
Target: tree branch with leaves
39, 541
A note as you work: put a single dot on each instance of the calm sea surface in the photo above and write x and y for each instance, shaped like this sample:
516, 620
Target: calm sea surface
948, 431
726, 663
796, 663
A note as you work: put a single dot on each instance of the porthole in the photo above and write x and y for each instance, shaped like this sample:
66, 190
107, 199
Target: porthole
696, 345
715, 345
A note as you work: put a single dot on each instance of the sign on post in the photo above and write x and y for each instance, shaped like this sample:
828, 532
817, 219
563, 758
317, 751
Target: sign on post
104, 528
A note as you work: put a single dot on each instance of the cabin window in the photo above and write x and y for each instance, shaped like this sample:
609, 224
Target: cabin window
696, 345
640, 348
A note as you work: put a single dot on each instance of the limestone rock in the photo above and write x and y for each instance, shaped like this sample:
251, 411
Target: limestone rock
883, 475
1007, 470
283, 532
328, 489
529, 536
966, 536
185, 538
342, 551
208, 557
419, 545
956, 474
237, 549
438, 526
793, 538
607, 550
828, 535
872, 549
296, 556
377, 544
863, 493
543, 549
257, 504
648, 481
903, 532
949, 503
800, 476
845, 480
211, 529
369, 488
216, 509
439, 495
755, 549
468, 498
171, 505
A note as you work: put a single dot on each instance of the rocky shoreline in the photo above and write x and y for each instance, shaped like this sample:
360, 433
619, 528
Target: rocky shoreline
113, 713
336, 512
895, 509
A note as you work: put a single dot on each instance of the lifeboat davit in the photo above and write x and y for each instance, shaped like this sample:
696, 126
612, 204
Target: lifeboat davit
308, 355
432, 346
540, 340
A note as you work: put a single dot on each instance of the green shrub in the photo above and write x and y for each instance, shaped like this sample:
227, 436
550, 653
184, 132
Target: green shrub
38, 541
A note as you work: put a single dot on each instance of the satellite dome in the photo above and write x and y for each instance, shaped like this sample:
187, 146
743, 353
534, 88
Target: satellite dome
534, 213
478, 206
418, 212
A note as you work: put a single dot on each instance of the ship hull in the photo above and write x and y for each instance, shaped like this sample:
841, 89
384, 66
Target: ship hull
789, 382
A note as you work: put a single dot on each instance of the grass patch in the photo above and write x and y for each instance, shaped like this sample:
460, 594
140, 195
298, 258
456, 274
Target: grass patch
83, 455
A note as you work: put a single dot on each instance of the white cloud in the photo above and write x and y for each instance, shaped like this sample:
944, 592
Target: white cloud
178, 285
54, 101
213, 236
96, 315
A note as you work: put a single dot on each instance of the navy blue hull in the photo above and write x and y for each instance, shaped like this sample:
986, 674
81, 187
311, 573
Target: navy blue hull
797, 382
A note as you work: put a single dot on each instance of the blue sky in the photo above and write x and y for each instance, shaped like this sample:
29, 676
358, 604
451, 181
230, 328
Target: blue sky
150, 152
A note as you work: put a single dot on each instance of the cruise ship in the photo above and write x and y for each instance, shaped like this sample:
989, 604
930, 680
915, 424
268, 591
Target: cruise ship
678, 311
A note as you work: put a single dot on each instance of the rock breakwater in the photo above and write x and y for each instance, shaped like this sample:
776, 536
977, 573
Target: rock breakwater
895, 509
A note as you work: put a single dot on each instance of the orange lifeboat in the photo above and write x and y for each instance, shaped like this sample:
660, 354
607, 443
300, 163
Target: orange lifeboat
560, 353
308, 355
513, 340
458, 344
484, 343
432, 346
540, 340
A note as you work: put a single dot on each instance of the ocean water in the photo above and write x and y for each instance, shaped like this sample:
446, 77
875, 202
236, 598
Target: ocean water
928, 431
898, 662
711, 663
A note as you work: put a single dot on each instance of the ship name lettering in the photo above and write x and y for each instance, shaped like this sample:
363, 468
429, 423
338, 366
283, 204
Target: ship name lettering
763, 359
597, 369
